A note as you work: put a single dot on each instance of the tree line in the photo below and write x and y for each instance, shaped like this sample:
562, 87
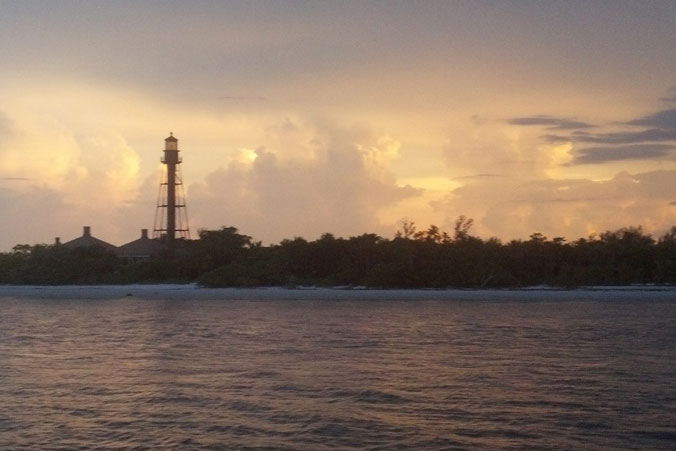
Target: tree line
428, 258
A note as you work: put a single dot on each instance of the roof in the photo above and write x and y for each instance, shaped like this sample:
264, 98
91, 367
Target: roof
171, 138
89, 241
143, 247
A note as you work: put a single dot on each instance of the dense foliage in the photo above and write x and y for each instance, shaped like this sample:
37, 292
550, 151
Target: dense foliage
413, 259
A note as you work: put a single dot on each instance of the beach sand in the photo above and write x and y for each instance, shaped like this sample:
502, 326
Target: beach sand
194, 292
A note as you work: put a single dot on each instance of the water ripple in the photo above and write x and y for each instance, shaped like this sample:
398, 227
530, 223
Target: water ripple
325, 375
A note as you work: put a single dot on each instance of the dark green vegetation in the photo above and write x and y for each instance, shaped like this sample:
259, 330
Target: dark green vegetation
413, 259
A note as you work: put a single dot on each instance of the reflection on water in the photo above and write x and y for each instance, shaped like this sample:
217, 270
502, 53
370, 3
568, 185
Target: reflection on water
337, 374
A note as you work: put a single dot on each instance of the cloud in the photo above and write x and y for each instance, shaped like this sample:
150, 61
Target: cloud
46, 162
89, 167
338, 184
670, 97
572, 208
16, 179
272, 175
31, 212
487, 150
649, 135
243, 98
550, 122
664, 120
637, 141
597, 155
476, 176
5, 125
556, 139
38, 214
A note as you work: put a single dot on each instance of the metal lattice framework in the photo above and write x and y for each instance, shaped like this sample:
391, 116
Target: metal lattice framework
171, 199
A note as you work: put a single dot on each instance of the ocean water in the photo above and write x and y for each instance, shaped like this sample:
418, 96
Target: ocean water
309, 374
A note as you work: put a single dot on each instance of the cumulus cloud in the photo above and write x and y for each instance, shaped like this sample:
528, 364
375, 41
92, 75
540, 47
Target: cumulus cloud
572, 208
37, 147
44, 165
491, 150
87, 165
569, 183
337, 183
273, 176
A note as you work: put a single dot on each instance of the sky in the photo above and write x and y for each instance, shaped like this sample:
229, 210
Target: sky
298, 118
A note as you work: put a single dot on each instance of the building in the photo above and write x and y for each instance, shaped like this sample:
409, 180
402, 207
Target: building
171, 218
141, 249
87, 240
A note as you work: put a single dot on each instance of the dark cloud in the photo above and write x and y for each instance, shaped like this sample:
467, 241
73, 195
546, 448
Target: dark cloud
16, 179
619, 138
551, 122
596, 155
658, 127
670, 97
643, 136
664, 120
556, 139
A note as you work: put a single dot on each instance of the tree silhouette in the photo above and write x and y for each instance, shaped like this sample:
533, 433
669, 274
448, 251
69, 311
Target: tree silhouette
412, 259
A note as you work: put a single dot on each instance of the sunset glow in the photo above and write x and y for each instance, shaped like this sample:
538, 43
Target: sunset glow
296, 119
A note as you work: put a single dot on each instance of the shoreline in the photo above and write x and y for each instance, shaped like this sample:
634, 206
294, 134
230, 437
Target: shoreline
193, 292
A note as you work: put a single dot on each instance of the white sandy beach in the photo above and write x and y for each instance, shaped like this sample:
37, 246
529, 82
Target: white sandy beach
194, 292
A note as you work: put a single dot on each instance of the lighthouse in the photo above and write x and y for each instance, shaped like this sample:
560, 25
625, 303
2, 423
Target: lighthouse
171, 216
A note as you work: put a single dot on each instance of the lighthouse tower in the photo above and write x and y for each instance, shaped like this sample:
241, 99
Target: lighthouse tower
171, 216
